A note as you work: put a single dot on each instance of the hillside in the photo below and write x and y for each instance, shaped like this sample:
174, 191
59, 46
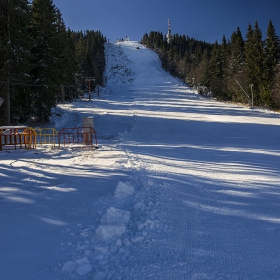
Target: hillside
181, 187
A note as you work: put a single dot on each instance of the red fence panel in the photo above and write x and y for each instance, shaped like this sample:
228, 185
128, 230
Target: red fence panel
77, 136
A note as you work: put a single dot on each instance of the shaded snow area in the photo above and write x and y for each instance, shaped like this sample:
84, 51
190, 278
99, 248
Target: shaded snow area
181, 187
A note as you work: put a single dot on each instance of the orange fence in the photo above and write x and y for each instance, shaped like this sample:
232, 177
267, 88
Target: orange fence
13, 137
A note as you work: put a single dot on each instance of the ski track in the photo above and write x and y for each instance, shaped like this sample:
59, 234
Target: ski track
176, 214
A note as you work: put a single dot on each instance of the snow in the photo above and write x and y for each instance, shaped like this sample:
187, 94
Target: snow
69, 267
115, 216
181, 187
123, 190
84, 266
109, 231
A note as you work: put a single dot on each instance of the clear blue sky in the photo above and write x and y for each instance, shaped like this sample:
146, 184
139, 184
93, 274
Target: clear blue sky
205, 20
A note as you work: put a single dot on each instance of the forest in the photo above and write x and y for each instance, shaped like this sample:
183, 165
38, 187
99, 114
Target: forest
235, 70
42, 62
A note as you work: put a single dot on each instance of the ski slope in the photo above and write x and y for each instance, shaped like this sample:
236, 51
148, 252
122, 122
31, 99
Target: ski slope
181, 187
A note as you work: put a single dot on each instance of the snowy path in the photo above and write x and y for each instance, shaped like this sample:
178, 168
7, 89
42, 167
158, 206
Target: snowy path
181, 187
219, 197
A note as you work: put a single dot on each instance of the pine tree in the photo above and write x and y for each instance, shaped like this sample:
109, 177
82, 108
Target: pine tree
72, 69
45, 71
201, 73
254, 61
216, 72
237, 67
90, 56
237, 52
66, 60
14, 60
275, 91
271, 56
225, 59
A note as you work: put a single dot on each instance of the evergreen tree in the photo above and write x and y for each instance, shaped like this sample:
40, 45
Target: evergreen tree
72, 69
46, 61
271, 56
61, 50
14, 60
237, 67
38, 55
237, 52
275, 91
201, 72
6, 8
66, 62
225, 59
216, 72
254, 61
90, 56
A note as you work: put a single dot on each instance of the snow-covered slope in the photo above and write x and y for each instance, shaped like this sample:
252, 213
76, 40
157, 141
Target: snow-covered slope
181, 187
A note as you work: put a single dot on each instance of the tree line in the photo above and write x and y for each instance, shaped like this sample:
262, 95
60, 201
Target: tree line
41, 61
233, 70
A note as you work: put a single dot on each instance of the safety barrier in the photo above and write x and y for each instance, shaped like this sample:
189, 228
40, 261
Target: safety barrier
77, 135
47, 136
17, 136
28, 137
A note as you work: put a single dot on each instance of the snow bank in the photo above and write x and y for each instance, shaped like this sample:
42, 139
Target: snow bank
123, 190
114, 221
69, 267
84, 266
109, 231
81, 266
115, 216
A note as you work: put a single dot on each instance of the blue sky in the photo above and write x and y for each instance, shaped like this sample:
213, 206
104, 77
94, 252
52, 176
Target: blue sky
205, 20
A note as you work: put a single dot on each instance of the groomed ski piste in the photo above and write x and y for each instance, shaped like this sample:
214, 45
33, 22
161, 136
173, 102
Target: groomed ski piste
181, 187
